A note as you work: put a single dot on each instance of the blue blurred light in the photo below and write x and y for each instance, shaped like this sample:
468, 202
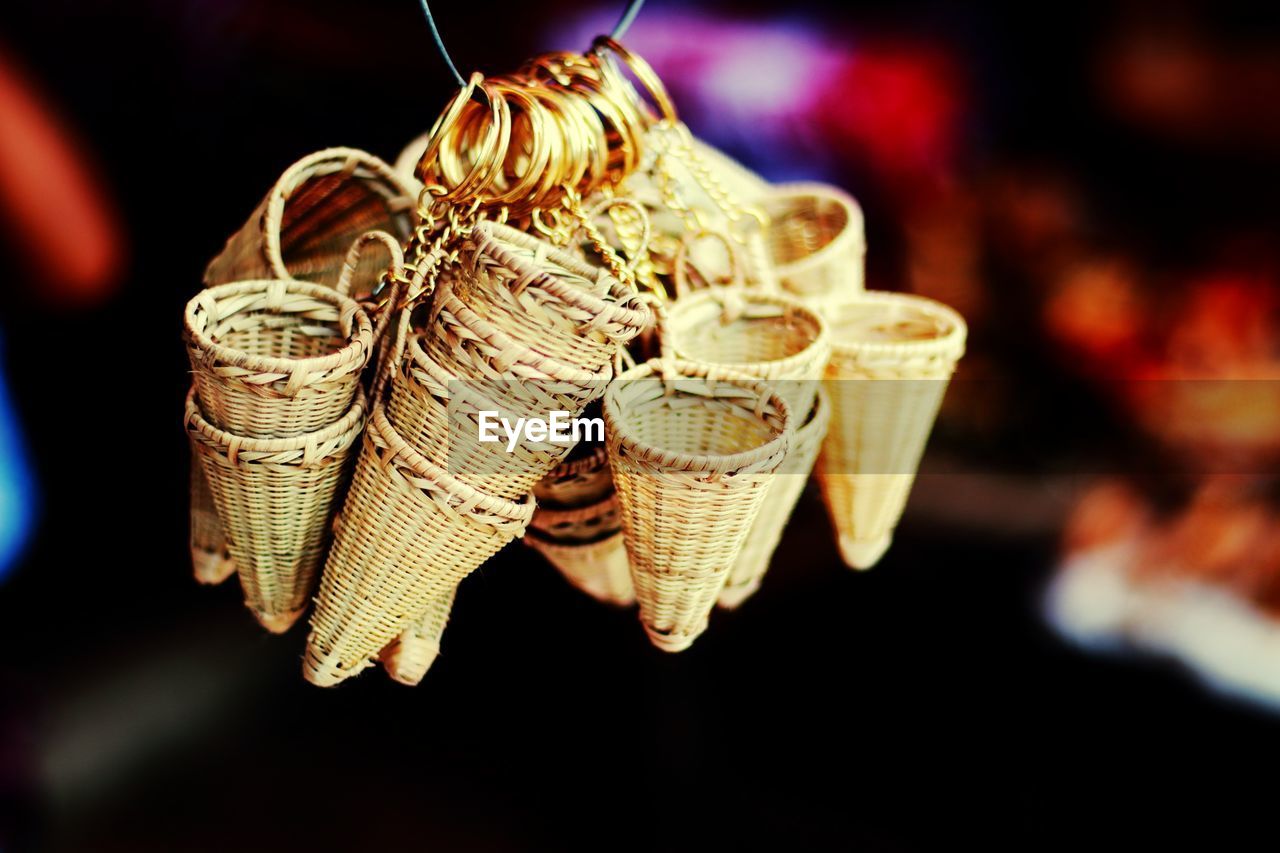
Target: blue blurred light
17, 486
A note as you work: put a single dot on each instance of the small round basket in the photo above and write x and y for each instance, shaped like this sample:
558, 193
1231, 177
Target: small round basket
273, 359
817, 241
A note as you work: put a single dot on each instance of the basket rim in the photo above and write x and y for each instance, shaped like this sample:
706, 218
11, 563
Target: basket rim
351, 422
359, 342
447, 300
288, 183
571, 468
555, 515
537, 539
513, 510
951, 341
695, 462
695, 300
855, 230
494, 234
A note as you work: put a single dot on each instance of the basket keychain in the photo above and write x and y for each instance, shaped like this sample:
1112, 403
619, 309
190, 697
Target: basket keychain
772, 338
275, 409
892, 359
693, 449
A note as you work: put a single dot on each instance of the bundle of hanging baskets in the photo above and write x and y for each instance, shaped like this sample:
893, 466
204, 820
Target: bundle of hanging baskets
557, 244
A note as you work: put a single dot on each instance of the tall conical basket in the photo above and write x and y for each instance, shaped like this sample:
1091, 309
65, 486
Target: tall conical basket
411, 654
893, 358
276, 498
408, 533
312, 215
761, 543
599, 568
817, 240
694, 451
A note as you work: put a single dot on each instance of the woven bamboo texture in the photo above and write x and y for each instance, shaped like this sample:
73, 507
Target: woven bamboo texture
583, 478
547, 299
440, 415
576, 525
210, 559
693, 452
761, 543
600, 568
772, 338
275, 498
311, 216
408, 533
411, 654
893, 356
276, 358
817, 240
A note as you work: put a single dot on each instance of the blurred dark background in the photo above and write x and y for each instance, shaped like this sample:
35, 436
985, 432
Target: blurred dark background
1093, 185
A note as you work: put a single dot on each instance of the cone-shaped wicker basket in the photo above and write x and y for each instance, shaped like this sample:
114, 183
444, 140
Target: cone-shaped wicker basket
600, 568
816, 239
893, 357
306, 223
757, 551
772, 338
276, 497
582, 479
276, 358
408, 533
411, 654
693, 451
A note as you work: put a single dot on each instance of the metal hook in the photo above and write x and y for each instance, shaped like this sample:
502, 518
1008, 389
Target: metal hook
619, 29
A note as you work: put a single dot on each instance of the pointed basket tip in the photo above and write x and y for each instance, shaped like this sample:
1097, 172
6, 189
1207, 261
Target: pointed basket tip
732, 596
408, 664
211, 567
673, 642
278, 623
861, 554
324, 672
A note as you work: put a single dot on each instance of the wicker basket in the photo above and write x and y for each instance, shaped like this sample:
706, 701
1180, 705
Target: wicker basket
693, 451
309, 219
817, 241
574, 526
583, 478
210, 558
893, 356
547, 299
440, 417
275, 497
277, 358
407, 534
411, 654
600, 568
757, 551
772, 338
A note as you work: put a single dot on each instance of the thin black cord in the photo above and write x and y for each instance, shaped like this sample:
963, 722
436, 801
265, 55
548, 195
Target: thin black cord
619, 30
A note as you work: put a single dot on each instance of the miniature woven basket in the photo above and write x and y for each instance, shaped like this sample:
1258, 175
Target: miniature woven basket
757, 551
441, 417
583, 478
311, 216
693, 451
893, 356
600, 568
210, 558
275, 497
408, 533
580, 524
411, 654
276, 358
817, 240
772, 338
547, 299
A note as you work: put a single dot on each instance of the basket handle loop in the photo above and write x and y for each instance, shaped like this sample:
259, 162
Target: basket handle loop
357, 249
682, 263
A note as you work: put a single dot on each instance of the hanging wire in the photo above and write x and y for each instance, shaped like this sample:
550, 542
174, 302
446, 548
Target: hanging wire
619, 30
